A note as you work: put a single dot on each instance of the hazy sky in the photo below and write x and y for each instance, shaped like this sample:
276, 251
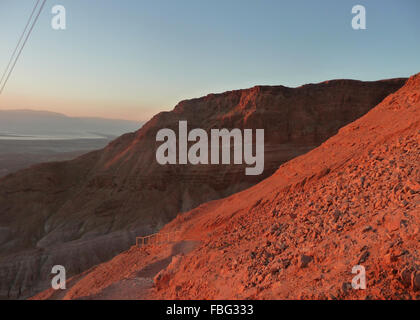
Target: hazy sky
131, 58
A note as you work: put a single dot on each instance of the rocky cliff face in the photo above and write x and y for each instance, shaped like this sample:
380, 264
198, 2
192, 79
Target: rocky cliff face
354, 200
81, 212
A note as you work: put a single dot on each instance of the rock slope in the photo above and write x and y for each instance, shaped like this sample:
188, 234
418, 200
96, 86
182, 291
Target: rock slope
82, 212
354, 200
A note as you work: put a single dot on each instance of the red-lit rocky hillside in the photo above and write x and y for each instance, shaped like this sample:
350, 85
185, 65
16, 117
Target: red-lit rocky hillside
354, 200
82, 212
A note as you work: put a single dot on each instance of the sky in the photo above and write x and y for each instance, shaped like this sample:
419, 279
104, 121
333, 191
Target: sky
131, 59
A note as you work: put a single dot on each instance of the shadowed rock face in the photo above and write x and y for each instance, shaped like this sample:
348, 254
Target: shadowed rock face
81, 212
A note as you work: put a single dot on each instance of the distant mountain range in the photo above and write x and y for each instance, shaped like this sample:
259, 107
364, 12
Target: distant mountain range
28, 137
26, 124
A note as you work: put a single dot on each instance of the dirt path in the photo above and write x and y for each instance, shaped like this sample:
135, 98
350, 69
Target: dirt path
140, 286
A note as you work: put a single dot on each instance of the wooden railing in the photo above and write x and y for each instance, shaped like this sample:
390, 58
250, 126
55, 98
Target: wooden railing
157, 238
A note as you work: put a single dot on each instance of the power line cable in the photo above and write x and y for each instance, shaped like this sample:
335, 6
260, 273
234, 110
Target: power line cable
20, 40
23, 45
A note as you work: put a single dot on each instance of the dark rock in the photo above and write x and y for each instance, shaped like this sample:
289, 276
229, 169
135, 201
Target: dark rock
363, 257
304, 261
